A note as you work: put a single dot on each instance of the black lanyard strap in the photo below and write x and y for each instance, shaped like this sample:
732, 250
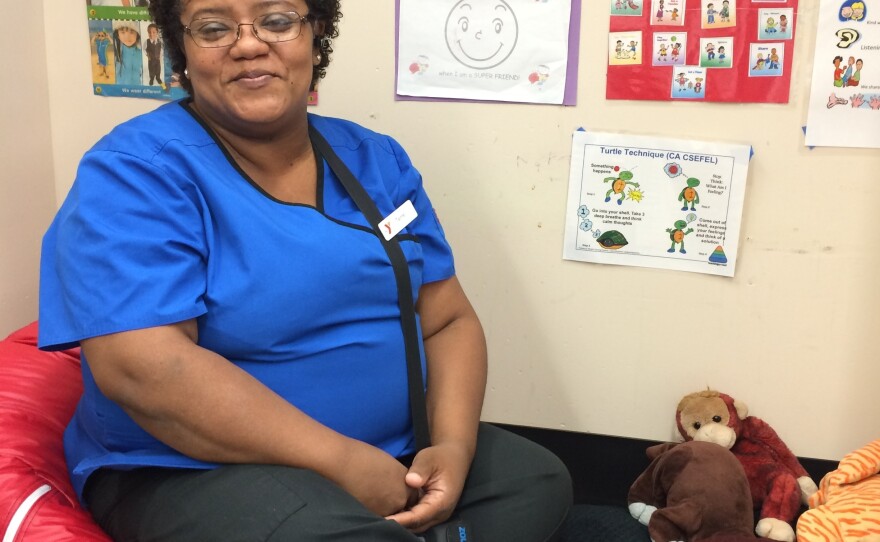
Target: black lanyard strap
404, 287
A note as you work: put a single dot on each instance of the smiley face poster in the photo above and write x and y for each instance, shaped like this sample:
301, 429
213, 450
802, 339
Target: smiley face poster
495, 50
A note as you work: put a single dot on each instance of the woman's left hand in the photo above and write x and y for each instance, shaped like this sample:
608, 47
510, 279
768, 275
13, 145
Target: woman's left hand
455, 349
439, 473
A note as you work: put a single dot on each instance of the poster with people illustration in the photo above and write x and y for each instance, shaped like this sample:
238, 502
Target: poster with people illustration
491, 50
744, 47
128, 54
845, 90
652, 202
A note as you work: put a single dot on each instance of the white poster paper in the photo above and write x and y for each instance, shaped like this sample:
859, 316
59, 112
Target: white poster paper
501, 50
845, 92
651, 202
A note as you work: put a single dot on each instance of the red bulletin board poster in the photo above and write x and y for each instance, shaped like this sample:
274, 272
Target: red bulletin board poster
701, 50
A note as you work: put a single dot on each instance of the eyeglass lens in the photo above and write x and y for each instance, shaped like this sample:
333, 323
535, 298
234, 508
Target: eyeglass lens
270, 28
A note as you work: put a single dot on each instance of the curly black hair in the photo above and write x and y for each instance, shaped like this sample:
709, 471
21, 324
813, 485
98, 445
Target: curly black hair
325, 13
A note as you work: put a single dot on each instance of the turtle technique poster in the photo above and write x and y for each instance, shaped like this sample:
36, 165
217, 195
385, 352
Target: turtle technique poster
651, 202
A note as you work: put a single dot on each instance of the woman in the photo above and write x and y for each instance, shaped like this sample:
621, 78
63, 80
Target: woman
240, 319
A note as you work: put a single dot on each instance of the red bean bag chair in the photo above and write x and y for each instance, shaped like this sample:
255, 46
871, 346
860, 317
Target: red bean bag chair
38, 394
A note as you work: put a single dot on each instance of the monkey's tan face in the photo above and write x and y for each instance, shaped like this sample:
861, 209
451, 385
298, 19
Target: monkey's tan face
707, 419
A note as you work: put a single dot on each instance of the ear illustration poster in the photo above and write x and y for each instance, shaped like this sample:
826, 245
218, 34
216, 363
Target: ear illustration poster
495, 50
845, 92
701, 50
651, 202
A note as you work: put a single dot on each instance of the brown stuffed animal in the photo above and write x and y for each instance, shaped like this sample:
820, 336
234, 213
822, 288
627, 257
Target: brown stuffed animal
777, 481
694, 491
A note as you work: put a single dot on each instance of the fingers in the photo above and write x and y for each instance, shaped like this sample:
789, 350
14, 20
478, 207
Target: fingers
422, 516
413, 497
437, 475
415, 480
424, 467
411, 519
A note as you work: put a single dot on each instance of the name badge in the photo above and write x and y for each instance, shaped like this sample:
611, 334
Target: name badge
398, 220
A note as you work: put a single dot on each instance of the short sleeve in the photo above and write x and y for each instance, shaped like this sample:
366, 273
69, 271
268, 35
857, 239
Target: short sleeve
127, 250
437, 253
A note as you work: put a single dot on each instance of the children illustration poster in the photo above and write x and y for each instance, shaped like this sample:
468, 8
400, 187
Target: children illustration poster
493, 50
624, 48
716, 52
627, 8
667, 48
651, 202
128, 54
689, 83
845, 90
731, 41
667, 12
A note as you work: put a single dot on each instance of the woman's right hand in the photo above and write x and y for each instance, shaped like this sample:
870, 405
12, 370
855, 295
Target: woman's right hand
374, 478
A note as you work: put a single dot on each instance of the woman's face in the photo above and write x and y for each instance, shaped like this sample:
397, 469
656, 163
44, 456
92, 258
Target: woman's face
250, 85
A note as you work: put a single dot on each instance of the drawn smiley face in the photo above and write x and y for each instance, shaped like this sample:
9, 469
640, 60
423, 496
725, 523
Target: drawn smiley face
481, 34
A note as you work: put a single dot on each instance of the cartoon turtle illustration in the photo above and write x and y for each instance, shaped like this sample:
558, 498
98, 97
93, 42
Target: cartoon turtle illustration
676, 235
612, 240
689, 194
618, 184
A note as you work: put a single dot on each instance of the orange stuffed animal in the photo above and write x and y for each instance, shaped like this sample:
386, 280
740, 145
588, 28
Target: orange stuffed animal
847, 506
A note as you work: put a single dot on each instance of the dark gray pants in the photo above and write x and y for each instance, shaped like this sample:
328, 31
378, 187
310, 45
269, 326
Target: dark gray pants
515, 491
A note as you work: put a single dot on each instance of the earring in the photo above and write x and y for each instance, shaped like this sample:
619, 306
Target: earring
318, 57
186, 73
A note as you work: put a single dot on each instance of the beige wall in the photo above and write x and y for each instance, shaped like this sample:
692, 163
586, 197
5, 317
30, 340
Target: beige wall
79, 118
609, 349
27, 193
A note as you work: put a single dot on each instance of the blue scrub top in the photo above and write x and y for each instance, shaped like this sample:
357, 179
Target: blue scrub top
162, 226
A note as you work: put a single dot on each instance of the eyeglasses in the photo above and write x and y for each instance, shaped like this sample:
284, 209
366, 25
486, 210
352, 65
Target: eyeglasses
269, 28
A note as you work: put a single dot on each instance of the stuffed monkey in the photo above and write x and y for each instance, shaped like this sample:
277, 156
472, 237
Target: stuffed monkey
777, 480
693, 491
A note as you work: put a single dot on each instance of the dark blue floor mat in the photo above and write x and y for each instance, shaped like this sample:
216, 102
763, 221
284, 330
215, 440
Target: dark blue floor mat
594, 523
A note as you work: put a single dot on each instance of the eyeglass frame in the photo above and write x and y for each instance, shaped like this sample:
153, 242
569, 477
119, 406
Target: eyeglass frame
303, 19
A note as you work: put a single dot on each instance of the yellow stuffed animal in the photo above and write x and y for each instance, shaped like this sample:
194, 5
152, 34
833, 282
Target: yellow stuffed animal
847, 506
